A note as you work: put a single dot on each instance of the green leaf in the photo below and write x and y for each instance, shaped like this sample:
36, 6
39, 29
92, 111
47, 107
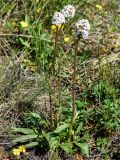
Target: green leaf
23, 130
27, 19
47, 136
25, 138
35, 115
83, 147
54, 143
61, 128
80, 126
67, 147
32, 144
76, 115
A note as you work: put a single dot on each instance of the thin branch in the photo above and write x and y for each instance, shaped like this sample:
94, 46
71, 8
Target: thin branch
20, 35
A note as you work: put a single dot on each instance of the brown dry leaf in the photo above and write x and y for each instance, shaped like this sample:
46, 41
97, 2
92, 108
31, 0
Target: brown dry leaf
97, 158
78, 156
1, 153
90, 107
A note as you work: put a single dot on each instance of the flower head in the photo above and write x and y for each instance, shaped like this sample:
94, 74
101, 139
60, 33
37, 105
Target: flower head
24, 24
16, 152
38, 10
53, 27
37, 1
60, 26
22, 149
98, 6
85, 34
83, 27
83, 24
58, 19
66, 39
68, 11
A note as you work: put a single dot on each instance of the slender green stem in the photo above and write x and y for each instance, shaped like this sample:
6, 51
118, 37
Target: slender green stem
73, 84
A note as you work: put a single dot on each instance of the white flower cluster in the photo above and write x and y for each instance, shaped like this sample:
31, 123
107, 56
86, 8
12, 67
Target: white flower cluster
68, 11
58, 19
83, 27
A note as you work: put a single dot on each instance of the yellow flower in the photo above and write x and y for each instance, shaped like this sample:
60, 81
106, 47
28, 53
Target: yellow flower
16, 152
66, 39
37, 1
104, 50
60, 26
33, 68
24, 24
98, 6
22, 149
38, 10
53, 27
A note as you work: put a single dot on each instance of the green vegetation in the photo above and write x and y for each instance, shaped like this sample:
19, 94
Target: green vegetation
59, 83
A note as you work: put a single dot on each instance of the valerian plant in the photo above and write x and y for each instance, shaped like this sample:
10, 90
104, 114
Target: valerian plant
61, 133
71, 118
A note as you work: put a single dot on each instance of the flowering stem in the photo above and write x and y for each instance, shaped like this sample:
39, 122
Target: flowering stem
54, 62
50, 99
74, 81
55, 50
59, 93
73, 88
